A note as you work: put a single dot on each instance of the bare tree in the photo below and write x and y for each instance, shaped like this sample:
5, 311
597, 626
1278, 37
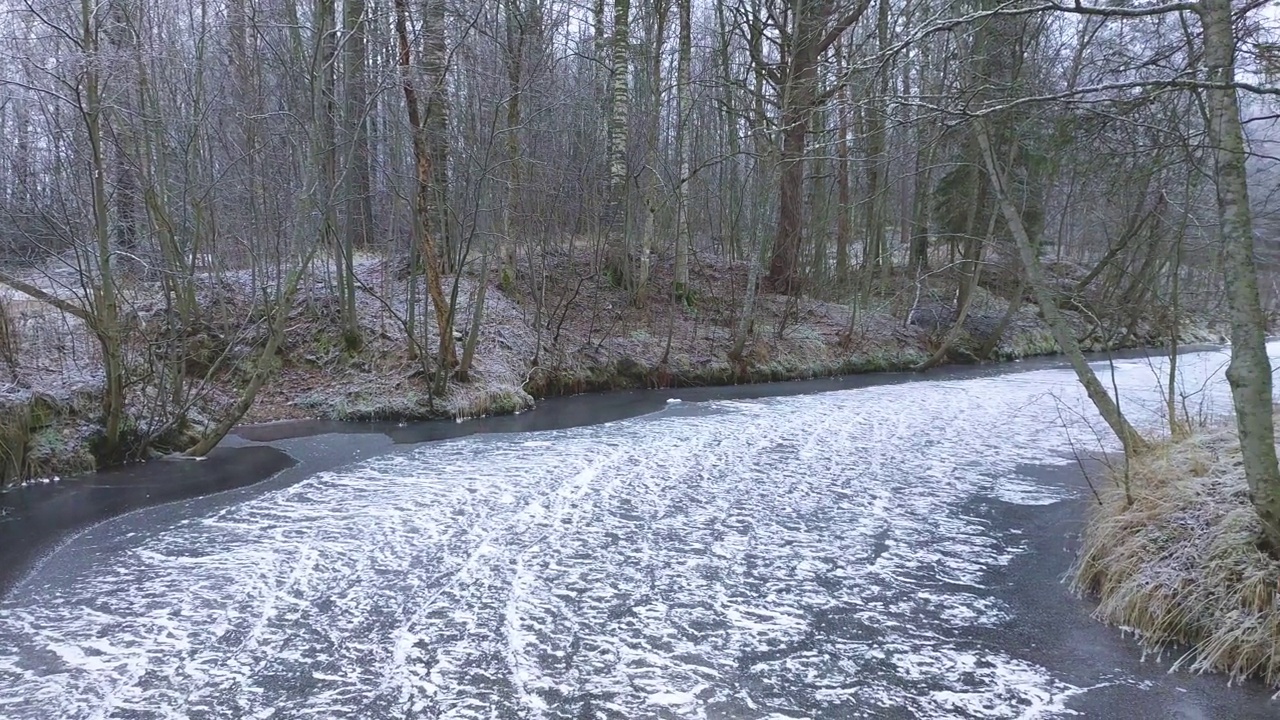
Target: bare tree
806, 30
424, 199
1250, 370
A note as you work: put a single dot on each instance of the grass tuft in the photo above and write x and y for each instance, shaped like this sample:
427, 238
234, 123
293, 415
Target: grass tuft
471, 402
1182, 566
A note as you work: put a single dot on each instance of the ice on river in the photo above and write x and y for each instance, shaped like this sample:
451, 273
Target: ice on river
811, 556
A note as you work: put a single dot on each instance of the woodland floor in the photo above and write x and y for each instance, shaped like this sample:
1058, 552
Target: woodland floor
589, 336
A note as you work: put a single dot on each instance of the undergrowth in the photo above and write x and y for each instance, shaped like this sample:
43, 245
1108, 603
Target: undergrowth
1182, 566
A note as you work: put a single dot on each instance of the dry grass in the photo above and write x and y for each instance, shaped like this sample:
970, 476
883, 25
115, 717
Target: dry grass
1182, 566
471, 401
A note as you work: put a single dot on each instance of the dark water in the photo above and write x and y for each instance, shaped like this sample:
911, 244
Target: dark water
868, 550
34, 518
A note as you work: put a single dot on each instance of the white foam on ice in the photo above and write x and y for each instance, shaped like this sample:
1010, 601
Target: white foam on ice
789, 557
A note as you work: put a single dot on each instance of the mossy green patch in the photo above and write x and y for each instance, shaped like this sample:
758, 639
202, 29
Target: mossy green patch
37, 439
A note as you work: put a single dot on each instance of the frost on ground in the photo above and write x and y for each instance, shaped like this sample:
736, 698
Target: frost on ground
1181, 565
816, 556
588, 335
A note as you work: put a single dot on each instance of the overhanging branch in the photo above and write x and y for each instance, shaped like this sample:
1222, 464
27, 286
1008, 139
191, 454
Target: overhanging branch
34, 292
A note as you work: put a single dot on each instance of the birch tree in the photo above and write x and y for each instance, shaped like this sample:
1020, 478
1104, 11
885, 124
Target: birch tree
613, 219
1250, 371
683, 135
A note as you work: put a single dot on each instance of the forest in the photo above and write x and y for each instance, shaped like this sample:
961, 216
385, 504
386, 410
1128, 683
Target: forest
218, 212
222, 212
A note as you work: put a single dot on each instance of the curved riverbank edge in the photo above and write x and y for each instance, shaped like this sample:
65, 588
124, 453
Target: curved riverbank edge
601, 405
1171, 553
1056, 628
36, 519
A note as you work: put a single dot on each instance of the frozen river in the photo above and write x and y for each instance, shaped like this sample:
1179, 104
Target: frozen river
837, 555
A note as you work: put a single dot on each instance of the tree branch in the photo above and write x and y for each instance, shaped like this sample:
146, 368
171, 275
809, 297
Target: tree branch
1167, 84
843, 24
44, 297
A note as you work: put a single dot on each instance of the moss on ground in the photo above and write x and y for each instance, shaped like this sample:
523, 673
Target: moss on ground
37, 440
1181, 565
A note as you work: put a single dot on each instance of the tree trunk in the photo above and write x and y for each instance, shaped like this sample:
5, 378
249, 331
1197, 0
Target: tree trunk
844, 195
119, 29
814, 28
613, 217
423, 200
964, 294
880, 162
1249, 373
1103, 401
743, 331
786, 246
263, 368
650, 189
597, 28
435, 59
359, 201
731, 200
798, 97
1010, 312
684, 107
324, 119
477, 315
953, 334
844, 199
105, 299
515, 31
1176, 428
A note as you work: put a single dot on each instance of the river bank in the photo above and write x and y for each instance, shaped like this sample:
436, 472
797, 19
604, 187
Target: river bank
582, 337
943, 599
1173, 552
